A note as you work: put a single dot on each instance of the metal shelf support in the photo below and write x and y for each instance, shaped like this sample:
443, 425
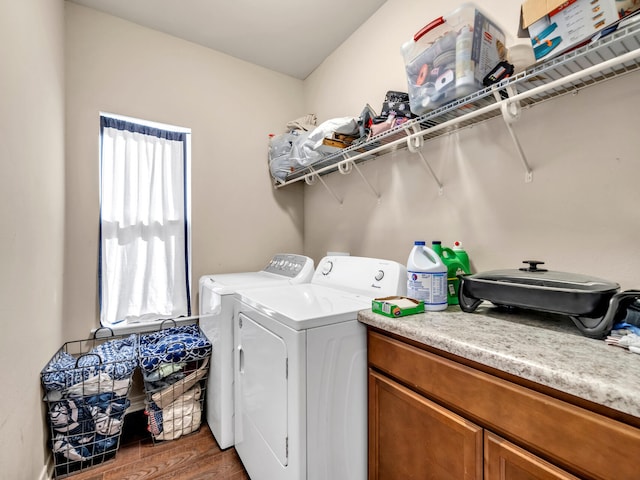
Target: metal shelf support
415, 142
347, 166
311, 179
510, 111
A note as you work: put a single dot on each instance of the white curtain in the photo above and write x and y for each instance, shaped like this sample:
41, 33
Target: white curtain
144, 259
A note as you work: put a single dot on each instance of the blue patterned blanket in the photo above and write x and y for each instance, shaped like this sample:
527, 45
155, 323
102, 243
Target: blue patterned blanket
117, 357
178, 344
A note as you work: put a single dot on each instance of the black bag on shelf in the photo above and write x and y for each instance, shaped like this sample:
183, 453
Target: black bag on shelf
396, 103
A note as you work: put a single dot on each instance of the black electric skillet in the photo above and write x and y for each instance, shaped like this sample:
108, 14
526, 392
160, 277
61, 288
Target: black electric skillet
592, 303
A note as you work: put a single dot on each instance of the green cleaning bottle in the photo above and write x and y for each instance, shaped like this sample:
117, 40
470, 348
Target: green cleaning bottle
454, 267
462, 255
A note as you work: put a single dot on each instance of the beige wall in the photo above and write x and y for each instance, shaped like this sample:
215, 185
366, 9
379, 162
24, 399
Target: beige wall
238, 219
580, 213
32, 219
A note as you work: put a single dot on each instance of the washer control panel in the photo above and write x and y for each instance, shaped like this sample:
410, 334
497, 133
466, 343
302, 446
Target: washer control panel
289, 265
368, 276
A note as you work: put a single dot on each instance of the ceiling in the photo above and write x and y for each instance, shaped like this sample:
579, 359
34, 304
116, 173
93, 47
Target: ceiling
289, 36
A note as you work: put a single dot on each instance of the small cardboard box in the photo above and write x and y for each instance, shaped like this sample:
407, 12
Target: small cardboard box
397, 306
556, 26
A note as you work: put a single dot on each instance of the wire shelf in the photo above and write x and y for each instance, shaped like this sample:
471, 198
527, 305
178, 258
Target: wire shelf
612, 56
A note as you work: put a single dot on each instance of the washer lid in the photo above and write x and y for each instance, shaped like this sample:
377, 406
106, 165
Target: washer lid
228, 283
306, 305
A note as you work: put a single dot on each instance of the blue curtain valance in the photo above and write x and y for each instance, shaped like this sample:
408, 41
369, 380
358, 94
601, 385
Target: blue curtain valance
109, 122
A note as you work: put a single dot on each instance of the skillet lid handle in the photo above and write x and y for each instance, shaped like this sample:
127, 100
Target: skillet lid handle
533, 266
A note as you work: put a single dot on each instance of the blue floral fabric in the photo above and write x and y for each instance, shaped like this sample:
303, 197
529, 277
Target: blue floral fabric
117, 358
185, 343
83, 427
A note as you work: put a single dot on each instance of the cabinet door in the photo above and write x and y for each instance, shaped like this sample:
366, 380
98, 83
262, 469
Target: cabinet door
411, 437
506, 461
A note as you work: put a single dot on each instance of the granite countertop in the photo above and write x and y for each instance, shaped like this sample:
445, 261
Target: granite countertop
543, 348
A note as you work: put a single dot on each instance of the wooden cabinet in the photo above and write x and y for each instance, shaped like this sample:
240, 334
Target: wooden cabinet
431, 417
506, 461
412, 437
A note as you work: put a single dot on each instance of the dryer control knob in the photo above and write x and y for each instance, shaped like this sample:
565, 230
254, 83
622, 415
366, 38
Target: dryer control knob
380, 275
327, 267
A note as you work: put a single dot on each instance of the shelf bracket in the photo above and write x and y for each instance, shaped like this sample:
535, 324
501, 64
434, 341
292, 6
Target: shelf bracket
510, 111
347, 166
311, 178
415, 142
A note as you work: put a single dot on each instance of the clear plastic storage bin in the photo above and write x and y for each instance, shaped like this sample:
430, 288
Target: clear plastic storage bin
449, 57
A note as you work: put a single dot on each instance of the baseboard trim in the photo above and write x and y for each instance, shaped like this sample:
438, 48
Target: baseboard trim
47, 470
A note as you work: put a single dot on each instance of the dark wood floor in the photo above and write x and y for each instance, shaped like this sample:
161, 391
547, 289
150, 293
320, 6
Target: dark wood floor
192, 457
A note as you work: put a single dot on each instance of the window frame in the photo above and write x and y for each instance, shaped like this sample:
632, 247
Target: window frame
124, 323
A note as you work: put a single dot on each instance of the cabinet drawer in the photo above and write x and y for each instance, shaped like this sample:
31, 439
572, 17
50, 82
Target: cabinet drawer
580, 441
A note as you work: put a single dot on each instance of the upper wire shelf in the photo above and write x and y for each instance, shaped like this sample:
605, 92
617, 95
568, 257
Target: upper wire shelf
611, 56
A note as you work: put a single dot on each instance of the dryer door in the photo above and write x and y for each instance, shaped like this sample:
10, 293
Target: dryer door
261, 405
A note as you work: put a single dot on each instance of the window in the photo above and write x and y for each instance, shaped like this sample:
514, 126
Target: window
144, 258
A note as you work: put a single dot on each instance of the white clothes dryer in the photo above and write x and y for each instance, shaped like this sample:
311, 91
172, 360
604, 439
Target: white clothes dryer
301, 371
216, 322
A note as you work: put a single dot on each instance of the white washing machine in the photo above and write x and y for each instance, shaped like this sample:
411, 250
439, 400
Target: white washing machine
301, 371
216, 321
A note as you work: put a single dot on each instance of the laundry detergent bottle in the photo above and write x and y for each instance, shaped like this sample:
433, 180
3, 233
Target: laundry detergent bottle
462, 255
427, 277
454, 267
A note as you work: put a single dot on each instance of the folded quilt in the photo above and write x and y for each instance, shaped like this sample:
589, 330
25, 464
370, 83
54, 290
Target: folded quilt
101, 383
117, 358
185, 343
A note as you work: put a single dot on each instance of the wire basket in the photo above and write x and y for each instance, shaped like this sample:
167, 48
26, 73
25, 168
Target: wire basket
86, 386
175, 366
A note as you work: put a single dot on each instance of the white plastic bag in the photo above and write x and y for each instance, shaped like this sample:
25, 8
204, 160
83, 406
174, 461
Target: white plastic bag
280, 162
302, 151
